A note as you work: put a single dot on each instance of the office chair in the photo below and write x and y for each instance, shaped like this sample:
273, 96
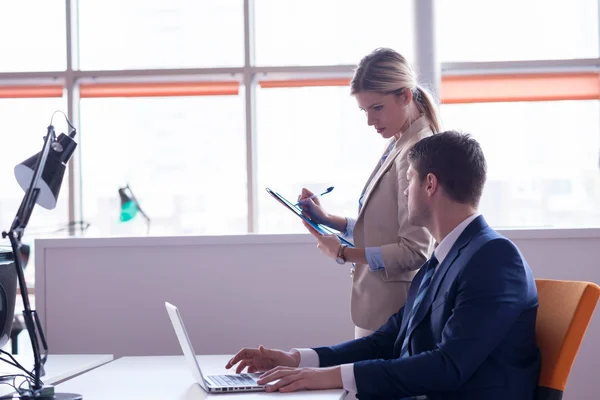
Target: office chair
564, 313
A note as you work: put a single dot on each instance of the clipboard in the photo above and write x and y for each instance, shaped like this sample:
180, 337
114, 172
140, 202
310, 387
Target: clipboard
322, 229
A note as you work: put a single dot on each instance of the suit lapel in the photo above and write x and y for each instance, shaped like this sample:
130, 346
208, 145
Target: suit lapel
368, 183
415, 127
377, 174
467, 235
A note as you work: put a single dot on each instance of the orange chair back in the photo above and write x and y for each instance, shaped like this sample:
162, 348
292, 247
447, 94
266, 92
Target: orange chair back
564, 313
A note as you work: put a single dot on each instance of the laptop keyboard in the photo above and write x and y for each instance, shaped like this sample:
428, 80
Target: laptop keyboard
233, 380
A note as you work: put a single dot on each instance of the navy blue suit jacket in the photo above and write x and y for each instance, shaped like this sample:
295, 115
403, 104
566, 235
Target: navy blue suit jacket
475, 333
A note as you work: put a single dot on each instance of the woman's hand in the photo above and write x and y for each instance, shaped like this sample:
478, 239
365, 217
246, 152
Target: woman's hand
263, 359
312, 209
328, 244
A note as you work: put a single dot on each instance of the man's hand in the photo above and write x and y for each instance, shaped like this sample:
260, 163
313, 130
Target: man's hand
294, 379
328, 244
263, 359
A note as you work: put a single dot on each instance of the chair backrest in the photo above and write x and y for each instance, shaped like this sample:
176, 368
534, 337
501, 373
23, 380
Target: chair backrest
564, 313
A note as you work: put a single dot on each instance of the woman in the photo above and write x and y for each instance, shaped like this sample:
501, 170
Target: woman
388, 250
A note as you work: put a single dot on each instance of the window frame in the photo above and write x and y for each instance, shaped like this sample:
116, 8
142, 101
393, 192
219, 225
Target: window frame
457, 82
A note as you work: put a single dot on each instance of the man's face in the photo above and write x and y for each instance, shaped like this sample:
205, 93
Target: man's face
418, 207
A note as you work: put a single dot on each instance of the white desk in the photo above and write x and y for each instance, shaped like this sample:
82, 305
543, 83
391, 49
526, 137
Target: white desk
166, 377
58, 367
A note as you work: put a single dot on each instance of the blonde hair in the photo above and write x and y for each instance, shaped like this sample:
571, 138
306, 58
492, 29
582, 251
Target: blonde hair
387, 71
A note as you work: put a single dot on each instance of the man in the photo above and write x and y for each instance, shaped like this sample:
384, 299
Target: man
467, 330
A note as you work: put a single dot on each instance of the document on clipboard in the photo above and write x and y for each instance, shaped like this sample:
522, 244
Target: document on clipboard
322, 229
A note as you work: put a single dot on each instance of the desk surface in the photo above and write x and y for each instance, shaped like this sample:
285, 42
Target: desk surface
166, 377
58, 367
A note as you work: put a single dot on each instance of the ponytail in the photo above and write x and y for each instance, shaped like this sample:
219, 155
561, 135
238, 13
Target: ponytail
428, 106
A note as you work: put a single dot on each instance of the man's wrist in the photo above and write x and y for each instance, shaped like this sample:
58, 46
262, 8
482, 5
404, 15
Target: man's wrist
296, 356
336, 377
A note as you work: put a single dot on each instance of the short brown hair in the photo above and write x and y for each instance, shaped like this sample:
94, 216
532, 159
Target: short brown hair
457, 161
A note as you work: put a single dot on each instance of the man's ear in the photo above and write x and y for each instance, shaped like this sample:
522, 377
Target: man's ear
431, 184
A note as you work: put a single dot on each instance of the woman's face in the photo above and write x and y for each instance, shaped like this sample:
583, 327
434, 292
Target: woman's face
387, 113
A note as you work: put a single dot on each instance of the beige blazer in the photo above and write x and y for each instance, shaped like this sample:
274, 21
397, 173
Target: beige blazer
383, 222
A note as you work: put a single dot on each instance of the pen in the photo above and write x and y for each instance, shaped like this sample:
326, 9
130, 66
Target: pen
314, 196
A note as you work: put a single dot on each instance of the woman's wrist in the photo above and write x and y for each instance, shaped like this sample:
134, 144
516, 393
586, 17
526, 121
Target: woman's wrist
355, 255
336, 222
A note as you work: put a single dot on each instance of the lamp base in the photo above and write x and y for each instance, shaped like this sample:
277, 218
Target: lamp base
66, 396
47, 393
56, 396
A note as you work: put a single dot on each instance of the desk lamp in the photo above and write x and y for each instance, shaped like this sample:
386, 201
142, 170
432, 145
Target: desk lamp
40, 176
130, 207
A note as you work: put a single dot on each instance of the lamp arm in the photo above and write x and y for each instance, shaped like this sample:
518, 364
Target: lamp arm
29, 315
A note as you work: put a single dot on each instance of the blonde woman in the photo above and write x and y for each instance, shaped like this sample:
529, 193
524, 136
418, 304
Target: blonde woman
388, 249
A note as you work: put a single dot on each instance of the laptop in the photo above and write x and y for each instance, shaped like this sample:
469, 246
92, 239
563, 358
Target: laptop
210, 383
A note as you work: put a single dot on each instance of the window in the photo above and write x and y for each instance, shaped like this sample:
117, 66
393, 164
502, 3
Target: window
542, 158
475, 30
32, 41
161, 34
319, 32
179, 138
312, 137
24, 123
183, 157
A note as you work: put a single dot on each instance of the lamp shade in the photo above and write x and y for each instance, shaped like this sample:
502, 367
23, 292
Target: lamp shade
53, 173
50, 181
129, 208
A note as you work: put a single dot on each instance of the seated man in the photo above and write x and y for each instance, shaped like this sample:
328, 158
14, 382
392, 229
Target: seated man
467, 330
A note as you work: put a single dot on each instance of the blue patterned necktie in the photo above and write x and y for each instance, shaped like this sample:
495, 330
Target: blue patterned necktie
427, 278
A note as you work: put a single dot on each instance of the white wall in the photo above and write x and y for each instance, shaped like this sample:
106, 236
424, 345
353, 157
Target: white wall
107, 295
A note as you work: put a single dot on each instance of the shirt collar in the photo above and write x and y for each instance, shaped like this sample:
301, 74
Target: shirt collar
442, 250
